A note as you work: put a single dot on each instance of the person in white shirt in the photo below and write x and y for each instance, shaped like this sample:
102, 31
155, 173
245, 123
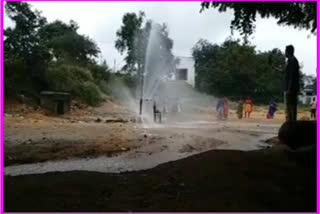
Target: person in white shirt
313, 108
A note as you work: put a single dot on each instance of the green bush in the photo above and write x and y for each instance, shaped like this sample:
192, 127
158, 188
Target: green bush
76, 80
66, 77
17, 79
100, 72
90, 93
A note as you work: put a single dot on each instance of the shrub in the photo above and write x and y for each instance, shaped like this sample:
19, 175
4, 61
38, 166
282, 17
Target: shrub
76, 80
66, 77
90, 93
17, 79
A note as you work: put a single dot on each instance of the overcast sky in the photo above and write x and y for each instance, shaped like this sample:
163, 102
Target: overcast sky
101, 20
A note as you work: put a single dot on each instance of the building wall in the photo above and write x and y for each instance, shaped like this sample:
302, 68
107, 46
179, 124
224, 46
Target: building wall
306, 96
188, 63
305, 99
51, 103
48, 103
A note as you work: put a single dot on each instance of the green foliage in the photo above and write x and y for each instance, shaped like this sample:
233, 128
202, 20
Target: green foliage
67, 45
299, 14
57, 28
77, 80
90, 92
47, 56
65, 77
237, 70
100, 72
101, 76
128, 80
23, 41
127, 38
15, 71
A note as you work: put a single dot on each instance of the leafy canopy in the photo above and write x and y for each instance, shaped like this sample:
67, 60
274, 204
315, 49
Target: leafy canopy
299, 14
237, 70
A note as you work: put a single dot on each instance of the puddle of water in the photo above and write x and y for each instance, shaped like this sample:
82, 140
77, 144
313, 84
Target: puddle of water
142, 158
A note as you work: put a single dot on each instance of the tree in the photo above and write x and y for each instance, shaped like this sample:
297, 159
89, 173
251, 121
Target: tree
205, 55
299, 14
50, 56
236, 70
133, 38
127, 36
23, 40
67, 45
22, 43
270, 72
158, 49
148, 48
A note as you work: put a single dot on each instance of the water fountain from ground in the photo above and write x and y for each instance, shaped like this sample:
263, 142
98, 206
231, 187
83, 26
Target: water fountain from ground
155, 74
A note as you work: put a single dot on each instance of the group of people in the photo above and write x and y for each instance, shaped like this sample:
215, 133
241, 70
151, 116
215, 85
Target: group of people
222, 108
244, 109
291, 90
248, 108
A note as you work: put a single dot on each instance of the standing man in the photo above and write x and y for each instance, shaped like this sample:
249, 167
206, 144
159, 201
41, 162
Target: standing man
292, 84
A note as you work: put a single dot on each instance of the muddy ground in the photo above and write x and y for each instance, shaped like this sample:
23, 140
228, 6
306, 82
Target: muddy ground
34, 136
218, 180
213, 165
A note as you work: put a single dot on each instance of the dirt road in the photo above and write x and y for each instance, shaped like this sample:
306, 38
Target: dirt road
108, 140
188, 163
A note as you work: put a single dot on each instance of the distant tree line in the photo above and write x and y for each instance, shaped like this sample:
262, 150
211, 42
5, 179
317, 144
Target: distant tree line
237, 70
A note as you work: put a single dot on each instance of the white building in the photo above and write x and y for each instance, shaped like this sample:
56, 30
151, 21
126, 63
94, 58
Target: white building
185, 70
306, 96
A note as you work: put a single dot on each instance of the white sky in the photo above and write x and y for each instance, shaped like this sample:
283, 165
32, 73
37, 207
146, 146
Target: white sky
101, 20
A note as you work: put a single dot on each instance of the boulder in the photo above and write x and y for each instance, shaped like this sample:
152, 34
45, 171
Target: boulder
297, 134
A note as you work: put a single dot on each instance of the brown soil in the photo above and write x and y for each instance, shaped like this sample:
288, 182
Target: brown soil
33, 136
271, 180
215, 181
